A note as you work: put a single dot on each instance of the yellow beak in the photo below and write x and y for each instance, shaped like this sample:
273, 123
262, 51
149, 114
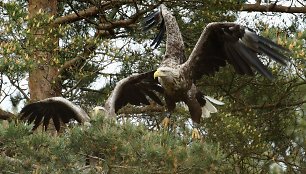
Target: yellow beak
157, 73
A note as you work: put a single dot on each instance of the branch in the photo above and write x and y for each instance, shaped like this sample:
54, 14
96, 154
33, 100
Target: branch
17, 161
272, 8
75, 17
4, 115
140, 110
269, 106
91, 11
107, 26
126, 22
19, 89
80, 16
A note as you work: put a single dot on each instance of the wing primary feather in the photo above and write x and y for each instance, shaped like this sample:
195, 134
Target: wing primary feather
25, 113
46, 121
32, 117
271, 44
138, 98
237, 60
266, 46
273, 54
148, 25
161, 34
157, 40
154, 97
151, 20
37, 122
254, 61
56, 122
157, 88
151, 17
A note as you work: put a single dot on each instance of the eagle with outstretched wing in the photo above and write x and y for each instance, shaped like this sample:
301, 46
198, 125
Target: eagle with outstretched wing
220, 43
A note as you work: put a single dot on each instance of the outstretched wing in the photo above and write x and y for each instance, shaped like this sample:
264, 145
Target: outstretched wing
222, 43
137, 89
152, 20
56, 108
167, 24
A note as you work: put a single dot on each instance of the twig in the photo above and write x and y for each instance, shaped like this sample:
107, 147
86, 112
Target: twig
17, 161
19, 89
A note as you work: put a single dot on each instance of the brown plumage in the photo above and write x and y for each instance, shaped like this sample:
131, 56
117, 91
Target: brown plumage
220, 43
57, 109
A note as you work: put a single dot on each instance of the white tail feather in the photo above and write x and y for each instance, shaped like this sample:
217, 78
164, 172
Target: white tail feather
205, 112
209, 107
217, 102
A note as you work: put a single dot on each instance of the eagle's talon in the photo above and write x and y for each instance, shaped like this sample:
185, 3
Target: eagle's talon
166, 122
195, 134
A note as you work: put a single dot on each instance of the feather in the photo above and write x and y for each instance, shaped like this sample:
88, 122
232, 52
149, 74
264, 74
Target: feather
56, 122
217, 102
220, 43
273, 54
56, 108
157, 40
151, 20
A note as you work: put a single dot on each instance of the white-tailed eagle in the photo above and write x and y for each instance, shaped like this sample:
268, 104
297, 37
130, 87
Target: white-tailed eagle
220, 43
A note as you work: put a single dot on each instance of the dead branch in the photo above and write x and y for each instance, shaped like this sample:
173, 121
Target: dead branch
257, 7
141, 110
91, 11
4, 115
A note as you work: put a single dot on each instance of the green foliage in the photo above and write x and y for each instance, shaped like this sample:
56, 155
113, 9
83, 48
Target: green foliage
260, 129
117, 147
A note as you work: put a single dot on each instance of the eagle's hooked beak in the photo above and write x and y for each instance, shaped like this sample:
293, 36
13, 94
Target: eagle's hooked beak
157, 73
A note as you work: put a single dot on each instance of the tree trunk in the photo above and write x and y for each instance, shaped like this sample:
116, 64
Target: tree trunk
43, 82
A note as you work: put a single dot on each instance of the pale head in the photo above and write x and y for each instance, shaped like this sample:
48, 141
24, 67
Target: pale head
164, 72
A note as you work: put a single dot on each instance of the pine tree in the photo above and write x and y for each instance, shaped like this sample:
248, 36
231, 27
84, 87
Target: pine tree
62, 47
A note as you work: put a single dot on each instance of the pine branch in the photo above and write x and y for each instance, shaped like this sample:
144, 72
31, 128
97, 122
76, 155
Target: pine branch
257, 7
17, 161
270, 106
91, 11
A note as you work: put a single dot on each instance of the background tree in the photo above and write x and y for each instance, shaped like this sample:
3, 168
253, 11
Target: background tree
52, 48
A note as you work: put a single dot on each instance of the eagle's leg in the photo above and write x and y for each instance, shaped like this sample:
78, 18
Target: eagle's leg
195, 110
195, 135
166, 121
170, 102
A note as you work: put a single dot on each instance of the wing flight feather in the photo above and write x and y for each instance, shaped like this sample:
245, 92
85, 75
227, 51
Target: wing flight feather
225, 42
137, 89
56, 108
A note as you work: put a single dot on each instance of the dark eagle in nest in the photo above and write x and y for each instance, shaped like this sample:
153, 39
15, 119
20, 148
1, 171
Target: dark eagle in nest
220, 43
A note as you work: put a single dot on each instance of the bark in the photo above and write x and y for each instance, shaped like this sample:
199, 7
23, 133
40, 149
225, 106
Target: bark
4, 115
43, 82
92, 11
257, 7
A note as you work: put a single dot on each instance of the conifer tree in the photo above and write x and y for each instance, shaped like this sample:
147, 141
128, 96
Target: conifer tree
51, 48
